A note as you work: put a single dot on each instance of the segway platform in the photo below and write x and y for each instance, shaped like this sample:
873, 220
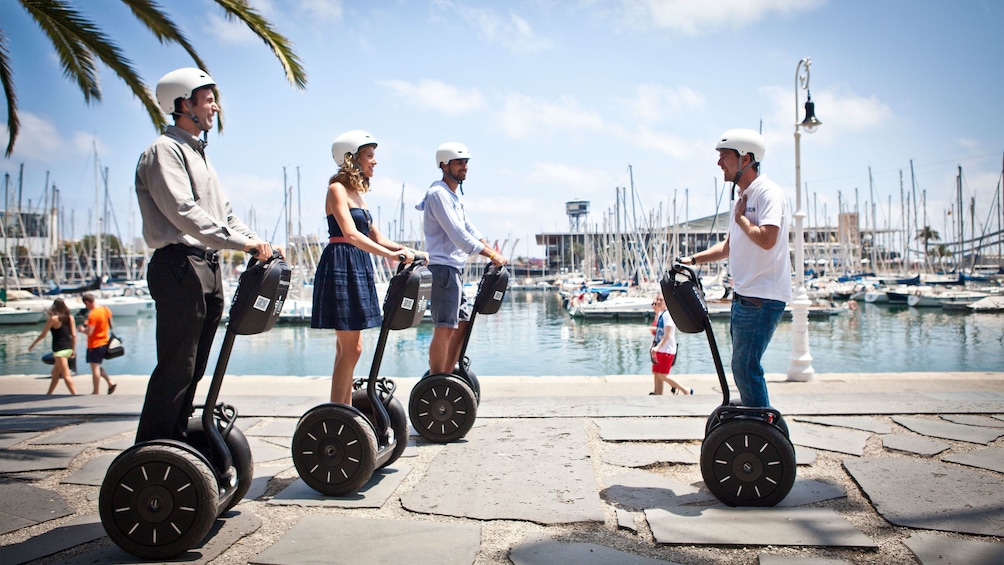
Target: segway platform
337, 447
160, 498
443, 407
747, 458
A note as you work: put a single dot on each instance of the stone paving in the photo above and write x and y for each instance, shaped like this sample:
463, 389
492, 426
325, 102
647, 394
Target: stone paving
550, 477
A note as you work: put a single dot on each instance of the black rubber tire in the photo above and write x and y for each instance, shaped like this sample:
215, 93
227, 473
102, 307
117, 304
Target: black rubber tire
442, 408
158, 500
469, 377
714, 421
748, 462
472, 381
334, 449
398, 421
240, 452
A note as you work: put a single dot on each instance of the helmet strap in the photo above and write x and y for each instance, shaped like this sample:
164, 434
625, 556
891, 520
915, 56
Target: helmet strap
742, 171
447, 173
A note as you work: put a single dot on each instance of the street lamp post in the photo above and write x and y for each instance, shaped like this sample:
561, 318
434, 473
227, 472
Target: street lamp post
800, 367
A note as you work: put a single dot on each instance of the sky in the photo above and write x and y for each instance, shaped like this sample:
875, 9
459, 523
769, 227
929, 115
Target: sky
557, 100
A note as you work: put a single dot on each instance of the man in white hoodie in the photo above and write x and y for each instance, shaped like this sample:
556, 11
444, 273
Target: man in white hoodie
450, 238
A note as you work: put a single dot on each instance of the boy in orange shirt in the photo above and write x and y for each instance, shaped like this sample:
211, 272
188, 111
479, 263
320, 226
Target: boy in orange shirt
98, 330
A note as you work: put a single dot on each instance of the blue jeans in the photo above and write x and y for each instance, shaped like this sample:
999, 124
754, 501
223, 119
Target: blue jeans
752, 326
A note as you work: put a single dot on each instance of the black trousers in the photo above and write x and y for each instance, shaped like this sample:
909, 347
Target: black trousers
188, 292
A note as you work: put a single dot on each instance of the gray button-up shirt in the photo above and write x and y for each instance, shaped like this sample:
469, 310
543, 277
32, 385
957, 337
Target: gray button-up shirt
180, 197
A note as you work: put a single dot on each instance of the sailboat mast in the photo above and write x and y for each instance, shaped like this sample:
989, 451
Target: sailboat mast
913, 191
961, 214
97, 215
972, 231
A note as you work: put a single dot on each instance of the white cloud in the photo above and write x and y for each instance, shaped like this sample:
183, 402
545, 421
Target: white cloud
227, 32
840, 111
669, 144
969, 143
86, 143
511, 32
38, 139
523, 116
567, 175
852, 112
438, 96
320, 11
691, 18
653, 102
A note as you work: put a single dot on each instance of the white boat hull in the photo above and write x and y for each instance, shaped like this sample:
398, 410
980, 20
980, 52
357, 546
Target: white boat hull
17, 316
620, 307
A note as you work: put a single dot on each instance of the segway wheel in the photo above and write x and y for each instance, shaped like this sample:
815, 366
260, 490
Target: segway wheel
748, 462
334, 449
472, 381
464, 370
240, 452
398, 421
158, 500
442, 408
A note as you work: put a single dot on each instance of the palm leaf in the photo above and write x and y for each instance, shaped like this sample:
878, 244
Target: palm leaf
78, 41
161, 26
63, 25
280, 46
7, 78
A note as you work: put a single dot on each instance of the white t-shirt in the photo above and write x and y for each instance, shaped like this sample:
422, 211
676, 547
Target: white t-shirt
662, 325
759, 272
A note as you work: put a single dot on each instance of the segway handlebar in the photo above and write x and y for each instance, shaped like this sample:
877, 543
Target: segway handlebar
420, 260
254, 257
679, 267
494, 269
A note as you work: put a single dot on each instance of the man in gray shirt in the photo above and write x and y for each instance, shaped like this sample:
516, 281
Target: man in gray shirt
187, 219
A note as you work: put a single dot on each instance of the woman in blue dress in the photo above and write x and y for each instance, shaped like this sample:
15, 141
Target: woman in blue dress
345, 297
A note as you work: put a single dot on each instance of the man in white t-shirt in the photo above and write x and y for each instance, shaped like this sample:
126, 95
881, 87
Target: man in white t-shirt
757, 250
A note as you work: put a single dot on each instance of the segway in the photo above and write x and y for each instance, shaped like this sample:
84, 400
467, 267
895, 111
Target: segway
160, 498
443, 406
336, 447
747, 458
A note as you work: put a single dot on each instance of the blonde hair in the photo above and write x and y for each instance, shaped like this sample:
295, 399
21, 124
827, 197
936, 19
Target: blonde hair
350, 176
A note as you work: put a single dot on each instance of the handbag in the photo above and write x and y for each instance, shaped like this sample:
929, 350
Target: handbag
115, 347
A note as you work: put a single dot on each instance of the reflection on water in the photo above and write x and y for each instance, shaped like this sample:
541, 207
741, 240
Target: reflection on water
532, 335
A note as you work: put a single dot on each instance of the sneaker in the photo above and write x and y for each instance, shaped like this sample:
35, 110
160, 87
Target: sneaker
112, 387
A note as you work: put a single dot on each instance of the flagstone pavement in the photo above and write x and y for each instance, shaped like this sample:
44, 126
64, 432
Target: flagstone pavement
892, 468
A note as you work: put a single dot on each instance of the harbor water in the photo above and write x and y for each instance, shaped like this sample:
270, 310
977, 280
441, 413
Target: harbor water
532, 335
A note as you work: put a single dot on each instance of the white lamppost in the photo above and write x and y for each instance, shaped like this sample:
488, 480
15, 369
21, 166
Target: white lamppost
800, 367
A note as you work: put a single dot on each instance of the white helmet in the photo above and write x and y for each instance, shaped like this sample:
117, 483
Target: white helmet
743, 141
180, 83
451, 150
350, 142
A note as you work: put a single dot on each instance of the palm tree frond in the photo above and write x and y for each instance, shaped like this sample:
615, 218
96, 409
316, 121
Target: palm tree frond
161, 26
7, 78
280, 46
79, 44
63, 25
